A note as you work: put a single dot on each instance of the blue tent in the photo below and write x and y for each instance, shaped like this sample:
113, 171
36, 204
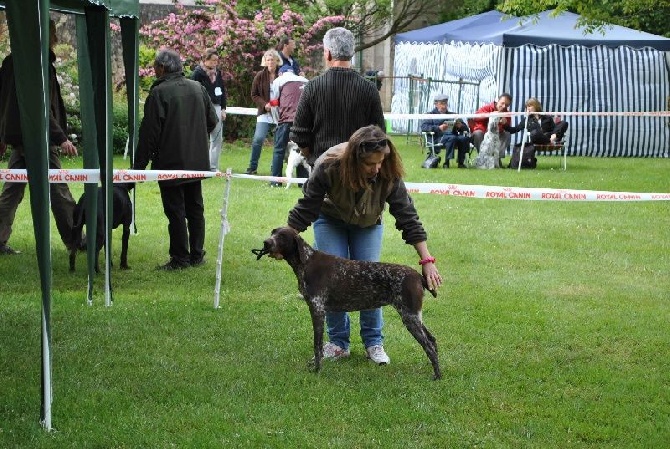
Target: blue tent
494, 27
622, 70
462, 29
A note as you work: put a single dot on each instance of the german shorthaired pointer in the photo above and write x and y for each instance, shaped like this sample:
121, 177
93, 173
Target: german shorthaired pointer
334, 284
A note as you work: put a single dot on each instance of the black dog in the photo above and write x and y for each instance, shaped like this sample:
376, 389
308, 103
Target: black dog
334, 284
121, 215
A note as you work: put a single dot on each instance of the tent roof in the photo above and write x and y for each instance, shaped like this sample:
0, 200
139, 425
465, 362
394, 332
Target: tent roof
118, 8
457, 29
494, 27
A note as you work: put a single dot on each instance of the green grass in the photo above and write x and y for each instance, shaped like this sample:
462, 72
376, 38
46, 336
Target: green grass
552, 327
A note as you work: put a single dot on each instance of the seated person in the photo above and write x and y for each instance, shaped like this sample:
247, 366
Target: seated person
447, 132
543, 129
480, 124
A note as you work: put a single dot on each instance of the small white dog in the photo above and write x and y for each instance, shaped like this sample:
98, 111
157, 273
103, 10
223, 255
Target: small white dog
295, 158
489, 150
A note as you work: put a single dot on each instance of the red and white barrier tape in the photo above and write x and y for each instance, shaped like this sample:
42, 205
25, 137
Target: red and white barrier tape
531, 193
463, 190
92, 176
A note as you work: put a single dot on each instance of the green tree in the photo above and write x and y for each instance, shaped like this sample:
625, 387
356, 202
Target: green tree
644, 15
373, 21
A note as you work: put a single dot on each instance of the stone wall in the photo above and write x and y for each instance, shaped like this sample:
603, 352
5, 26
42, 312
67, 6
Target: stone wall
66, 31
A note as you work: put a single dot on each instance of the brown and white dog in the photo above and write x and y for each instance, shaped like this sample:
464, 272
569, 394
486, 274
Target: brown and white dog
334, 284
295, 159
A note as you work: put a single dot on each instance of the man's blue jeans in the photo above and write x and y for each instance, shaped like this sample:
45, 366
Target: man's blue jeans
461, 141
351, 242
281, 140
262, 130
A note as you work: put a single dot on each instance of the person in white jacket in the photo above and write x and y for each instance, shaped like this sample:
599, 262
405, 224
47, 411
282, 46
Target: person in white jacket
286, 89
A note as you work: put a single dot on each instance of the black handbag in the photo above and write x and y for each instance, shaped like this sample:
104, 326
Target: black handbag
527, 161
431, 162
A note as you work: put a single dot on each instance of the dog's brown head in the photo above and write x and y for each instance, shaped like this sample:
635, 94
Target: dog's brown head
284, 243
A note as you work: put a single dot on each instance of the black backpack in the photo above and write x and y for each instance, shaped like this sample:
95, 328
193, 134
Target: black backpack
432, 161
527, 161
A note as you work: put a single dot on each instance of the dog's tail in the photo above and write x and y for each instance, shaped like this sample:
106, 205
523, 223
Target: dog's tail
425, 285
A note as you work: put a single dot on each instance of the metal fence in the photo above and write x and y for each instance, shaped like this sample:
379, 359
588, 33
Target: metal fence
414, 94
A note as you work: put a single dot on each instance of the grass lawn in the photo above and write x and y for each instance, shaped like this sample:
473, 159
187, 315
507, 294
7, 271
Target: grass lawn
552, 327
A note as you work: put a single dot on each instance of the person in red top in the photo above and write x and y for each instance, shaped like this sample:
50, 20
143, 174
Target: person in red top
479, 125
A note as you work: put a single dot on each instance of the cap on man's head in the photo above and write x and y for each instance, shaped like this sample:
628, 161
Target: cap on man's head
285, 68
440, 97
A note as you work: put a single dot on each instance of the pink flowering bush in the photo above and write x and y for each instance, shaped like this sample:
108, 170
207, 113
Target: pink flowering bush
240, 42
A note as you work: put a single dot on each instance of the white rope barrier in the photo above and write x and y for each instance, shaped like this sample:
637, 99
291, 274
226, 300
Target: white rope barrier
392, 116
463, 190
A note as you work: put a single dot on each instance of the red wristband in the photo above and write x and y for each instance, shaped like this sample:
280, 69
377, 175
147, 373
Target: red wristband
427, 260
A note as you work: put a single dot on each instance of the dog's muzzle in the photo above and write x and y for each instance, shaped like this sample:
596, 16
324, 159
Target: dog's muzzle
261, 252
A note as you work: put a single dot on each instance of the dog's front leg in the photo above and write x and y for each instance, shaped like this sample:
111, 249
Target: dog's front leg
318, 319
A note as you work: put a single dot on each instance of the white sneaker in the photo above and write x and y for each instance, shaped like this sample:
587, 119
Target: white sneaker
333, 352
376, 354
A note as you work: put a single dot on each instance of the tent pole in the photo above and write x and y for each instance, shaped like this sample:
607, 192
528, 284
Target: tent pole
30, 53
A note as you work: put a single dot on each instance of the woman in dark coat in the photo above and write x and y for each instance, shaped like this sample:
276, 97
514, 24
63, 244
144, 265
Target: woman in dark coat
542, 128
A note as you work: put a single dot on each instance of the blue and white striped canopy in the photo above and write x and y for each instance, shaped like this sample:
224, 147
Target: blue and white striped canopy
582, 73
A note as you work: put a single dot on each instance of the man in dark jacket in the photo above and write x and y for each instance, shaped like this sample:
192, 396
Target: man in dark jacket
62, 203
286, 48
178, 117
336, 104
209, 75
449, 133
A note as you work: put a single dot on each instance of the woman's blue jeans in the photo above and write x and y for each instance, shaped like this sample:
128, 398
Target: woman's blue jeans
262, 130
351, 242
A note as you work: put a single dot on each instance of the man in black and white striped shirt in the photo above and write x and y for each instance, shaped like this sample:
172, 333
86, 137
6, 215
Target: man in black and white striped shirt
337, 103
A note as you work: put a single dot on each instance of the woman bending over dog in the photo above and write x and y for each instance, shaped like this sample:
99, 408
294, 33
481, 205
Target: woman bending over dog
345, 197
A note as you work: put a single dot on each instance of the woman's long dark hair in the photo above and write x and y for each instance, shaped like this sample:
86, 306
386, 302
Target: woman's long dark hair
365, 141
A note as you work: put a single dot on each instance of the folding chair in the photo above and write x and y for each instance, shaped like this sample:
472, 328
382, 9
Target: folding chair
432, 161
558, 147
430, 144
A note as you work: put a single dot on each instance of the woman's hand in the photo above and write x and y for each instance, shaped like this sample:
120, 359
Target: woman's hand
432, 276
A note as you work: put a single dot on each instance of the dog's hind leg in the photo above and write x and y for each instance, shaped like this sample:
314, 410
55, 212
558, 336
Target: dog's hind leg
318, 319
124, 247
73, 258
415, 327
78, 220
